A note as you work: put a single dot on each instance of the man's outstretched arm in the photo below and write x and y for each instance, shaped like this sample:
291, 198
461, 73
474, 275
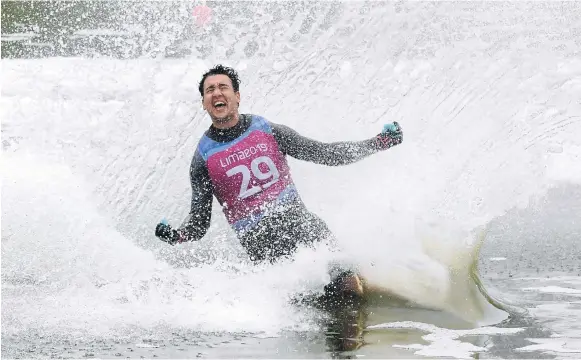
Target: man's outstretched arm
197, 222
332, 154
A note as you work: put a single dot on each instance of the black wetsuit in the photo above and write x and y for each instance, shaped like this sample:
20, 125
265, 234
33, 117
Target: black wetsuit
278, 233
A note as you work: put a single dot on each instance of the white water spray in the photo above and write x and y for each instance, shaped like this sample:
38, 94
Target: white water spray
99, 152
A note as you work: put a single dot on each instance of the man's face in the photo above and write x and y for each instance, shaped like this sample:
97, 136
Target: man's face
220, 100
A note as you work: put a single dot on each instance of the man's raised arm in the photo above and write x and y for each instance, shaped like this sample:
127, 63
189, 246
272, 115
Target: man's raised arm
331, 154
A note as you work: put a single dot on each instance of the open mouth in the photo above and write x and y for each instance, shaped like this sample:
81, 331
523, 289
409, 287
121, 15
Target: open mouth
219, 105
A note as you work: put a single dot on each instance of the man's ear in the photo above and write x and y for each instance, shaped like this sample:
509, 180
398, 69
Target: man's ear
238, 97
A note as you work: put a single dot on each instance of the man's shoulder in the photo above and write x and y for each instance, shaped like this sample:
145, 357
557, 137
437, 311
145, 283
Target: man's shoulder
203, 139
204, 145
255, 117
259, 121
256, 122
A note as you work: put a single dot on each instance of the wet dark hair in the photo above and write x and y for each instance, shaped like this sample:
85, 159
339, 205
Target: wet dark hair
221, 70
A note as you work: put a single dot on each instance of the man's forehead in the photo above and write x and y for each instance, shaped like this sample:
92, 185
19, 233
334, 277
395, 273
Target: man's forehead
217, 80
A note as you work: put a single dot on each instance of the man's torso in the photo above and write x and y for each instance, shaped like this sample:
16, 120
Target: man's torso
249, 173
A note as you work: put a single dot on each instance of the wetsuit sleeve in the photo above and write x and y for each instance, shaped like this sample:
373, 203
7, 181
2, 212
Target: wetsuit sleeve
331, 154
198, 221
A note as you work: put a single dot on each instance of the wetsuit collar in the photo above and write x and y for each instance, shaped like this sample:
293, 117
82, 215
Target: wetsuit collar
225, 135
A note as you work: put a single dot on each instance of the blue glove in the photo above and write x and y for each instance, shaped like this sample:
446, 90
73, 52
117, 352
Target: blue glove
165, 233
391, 135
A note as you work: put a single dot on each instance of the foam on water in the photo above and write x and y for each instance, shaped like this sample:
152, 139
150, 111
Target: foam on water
97, 152
445, 342
555, 290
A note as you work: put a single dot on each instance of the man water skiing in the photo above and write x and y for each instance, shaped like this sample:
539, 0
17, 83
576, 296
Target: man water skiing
241, 160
